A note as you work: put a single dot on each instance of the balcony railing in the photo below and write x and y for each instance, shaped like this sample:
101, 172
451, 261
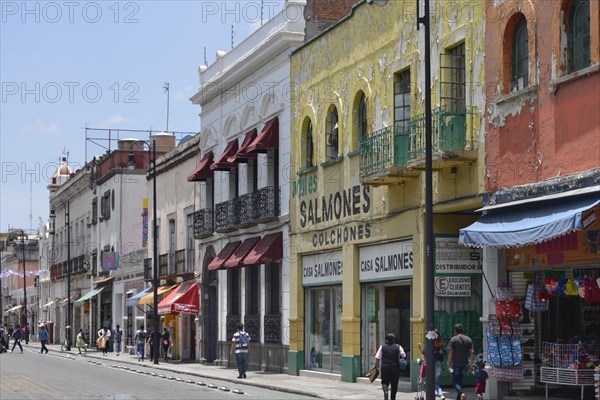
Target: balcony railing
259, 206
225, 216
452, 130
383, 149
244, 210
272, 327
163, 265
180, 262
252, 326
231, 324
203, 223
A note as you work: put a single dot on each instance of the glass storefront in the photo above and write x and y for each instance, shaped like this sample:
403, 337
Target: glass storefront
324, 339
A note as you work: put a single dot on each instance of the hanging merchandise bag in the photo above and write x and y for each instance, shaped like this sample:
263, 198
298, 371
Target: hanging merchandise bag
504, 351
533, 302
504, 292
592, 291
503, 327
571, 288
508, 309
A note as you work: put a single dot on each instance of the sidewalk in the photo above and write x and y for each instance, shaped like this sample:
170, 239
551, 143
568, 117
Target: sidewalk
319, 387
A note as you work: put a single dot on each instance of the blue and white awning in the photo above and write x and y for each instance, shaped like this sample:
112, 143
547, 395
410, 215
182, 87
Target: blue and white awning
133, 300
526, 222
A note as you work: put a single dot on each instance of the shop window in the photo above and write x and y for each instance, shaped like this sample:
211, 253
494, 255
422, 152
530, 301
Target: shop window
105, 205
579, 35
520, 55
324, 338
332, 129
402, 100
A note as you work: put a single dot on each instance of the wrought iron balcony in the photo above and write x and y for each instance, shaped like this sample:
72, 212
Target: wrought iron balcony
383, 157
259, 206
203, 223
225, 216
272, 327
231, 324
453, 137
244, 210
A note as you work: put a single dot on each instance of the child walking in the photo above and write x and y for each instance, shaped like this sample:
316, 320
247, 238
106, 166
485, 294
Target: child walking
480, 377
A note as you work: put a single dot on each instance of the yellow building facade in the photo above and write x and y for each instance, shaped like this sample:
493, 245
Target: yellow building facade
357, 237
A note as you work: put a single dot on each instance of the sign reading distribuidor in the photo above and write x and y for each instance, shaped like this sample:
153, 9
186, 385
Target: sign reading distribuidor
453, 286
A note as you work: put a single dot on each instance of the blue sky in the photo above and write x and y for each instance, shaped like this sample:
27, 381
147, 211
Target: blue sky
101, 64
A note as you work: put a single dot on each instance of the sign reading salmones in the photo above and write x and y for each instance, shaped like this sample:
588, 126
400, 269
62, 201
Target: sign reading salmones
386, 261
325, 268
453, 286
450, 257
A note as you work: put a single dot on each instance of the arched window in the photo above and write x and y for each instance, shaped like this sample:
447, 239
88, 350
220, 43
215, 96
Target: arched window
362, 118
308, 145
579, 35
520, 55
332, 129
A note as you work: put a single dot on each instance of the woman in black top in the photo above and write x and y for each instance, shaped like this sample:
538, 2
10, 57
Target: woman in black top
389, 354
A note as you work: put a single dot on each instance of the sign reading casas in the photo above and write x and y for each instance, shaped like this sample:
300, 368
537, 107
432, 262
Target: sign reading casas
386, 261
322, 268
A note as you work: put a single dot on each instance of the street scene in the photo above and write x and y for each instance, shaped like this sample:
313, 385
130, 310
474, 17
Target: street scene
338, 199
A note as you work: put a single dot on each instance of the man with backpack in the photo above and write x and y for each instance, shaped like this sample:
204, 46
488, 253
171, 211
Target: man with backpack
140, 342
241, 343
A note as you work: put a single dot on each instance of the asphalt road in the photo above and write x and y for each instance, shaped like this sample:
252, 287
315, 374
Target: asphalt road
32, 375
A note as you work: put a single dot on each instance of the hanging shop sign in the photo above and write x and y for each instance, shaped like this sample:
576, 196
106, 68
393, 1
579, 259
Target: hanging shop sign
453, 286
387, 261
452, 258
325, 268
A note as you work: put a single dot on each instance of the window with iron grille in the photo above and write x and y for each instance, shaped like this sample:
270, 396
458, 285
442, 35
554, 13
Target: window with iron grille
308, 145
402, 100
332, 128
361, 121
233, 291
105, 205
94, 210
579, 32
452, 79
520, 55
252, 290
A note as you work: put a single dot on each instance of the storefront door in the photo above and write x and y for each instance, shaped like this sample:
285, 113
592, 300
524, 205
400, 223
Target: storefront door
324, 339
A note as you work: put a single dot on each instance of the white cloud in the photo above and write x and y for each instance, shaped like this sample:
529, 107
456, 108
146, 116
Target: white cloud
116, 119
40, 127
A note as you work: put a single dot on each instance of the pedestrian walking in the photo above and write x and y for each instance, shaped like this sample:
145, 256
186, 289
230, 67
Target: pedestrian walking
103, 339
26, 333
389, 354
460, 351
140, 342
81, 342
480, 377
151, 342
43, 337
439, 352
166, 342
17, 337
117, 340
3, 339
240, 343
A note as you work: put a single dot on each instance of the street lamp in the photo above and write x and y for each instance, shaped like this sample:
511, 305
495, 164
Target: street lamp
69, 305
131, 165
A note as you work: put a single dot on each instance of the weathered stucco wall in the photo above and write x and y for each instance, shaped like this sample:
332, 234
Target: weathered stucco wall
551, 128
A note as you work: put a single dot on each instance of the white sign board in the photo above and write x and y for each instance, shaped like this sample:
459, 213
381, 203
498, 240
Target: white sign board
453, 286
386, 261
452, 258
322, 268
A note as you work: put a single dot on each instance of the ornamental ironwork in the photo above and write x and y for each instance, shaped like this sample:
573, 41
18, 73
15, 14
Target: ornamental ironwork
252, 326
203, 223
232, 321
224, 216
272, 327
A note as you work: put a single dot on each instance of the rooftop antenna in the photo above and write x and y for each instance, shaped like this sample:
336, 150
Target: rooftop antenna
232, 35
205, 60
166, 88
31, 205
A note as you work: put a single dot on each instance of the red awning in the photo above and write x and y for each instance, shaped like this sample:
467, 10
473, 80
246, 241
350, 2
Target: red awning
219, 260
202, 171
185, 299
267, 139
222, 164
268, 250
235, 260
242, 155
